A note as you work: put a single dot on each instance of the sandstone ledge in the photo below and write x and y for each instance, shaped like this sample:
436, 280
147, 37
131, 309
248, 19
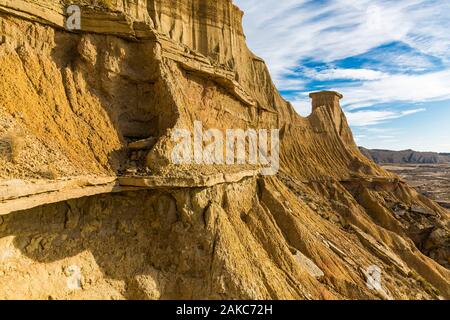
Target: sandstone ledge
17, 195
92, 19
373, 181
199, 64
20, 195
14, 189
185, 182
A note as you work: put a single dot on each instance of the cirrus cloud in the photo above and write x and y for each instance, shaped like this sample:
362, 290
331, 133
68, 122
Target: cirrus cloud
384, 56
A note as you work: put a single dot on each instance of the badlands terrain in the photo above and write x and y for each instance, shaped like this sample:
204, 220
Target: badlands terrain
405, 156
92, 207
432, 180
427, 172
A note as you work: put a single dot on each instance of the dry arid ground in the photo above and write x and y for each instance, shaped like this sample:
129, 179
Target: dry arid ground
431, 180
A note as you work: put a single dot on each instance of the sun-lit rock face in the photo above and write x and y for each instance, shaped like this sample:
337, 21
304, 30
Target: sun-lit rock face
91, 205
212, 28
330, 99
327, 104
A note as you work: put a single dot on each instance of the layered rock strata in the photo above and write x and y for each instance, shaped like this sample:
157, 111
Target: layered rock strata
79, 103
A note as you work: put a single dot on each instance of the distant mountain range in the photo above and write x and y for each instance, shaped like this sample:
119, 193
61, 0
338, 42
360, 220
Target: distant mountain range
405, 156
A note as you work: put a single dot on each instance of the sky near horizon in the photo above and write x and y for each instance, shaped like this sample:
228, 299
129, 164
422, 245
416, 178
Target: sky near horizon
389, 58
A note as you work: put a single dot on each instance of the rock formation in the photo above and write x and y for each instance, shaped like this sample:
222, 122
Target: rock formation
405, 156
91, 205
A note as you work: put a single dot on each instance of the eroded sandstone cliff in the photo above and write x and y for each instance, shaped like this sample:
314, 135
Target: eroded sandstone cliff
84, 198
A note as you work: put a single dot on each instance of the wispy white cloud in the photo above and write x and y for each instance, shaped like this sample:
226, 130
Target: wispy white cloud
360, 118
292, 84
349, 74
372, 117
381, 88
302, 104
398, 88
299, 29
303, 41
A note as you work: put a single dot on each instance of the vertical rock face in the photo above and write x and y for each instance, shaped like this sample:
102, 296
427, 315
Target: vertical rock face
105, 100
329, 99
326, 104
212, 28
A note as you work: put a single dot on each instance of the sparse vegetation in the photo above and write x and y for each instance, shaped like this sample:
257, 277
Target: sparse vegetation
11, 146
49, 173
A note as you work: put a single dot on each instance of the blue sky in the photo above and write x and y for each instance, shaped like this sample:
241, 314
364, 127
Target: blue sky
389, 58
